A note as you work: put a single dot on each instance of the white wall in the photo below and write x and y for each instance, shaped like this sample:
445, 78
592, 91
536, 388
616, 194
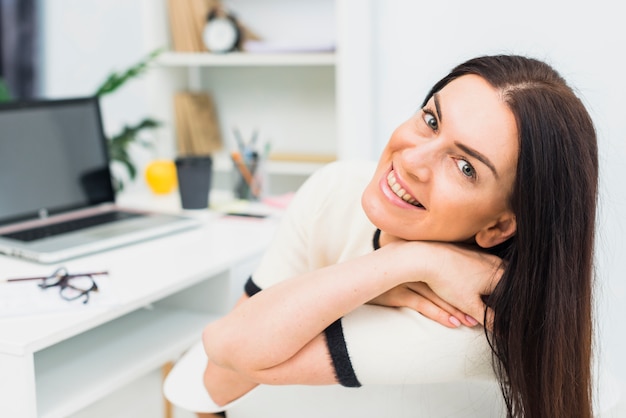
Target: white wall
413, 44
416, 43
82, 42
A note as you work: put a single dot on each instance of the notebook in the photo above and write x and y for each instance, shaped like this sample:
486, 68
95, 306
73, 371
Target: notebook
56, 195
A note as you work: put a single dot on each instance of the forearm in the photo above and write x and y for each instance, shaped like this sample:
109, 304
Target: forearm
225, 385
275, 324
311, 366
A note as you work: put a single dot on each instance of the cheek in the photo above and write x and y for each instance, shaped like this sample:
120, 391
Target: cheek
402, 137
464, 214
370, 199
486, 212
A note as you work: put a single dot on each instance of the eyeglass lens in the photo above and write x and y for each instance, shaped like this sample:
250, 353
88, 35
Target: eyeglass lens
76, 287
70, 288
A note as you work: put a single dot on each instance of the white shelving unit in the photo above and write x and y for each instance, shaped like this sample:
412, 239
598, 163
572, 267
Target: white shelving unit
56, 365
289, 97
107, 358
190, 59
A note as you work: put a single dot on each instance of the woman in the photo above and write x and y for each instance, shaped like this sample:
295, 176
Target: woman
502, 158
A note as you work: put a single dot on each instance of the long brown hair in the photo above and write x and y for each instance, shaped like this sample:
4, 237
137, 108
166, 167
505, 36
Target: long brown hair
542, 330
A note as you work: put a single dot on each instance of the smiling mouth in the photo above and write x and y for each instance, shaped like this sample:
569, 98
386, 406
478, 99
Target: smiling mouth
400, 192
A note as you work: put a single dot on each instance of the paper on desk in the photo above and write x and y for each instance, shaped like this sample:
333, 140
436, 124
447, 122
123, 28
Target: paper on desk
26, 298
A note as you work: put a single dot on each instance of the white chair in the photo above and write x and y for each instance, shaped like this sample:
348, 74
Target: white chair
183, 387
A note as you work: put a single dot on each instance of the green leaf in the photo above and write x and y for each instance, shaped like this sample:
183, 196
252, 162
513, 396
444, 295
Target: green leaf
129, 133
118, 144
132, 171
116, 80
5, 95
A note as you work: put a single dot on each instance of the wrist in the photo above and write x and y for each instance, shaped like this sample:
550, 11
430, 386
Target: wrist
410, 261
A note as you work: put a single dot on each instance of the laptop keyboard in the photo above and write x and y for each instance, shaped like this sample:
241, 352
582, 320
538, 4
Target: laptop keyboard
69, 226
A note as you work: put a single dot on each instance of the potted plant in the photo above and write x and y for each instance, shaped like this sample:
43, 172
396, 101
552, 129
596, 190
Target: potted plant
119, 143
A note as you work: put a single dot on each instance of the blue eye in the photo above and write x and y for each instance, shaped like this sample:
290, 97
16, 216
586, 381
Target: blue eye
431, 120
466, 169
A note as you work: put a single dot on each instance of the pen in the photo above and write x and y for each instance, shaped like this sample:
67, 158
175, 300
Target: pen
255, 135
66, 276
246, 214
239, 139
254, 162
247, 176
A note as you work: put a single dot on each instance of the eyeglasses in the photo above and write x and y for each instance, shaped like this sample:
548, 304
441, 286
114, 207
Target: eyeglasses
71, 286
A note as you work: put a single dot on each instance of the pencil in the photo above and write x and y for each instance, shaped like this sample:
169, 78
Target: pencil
245, 173
66, 276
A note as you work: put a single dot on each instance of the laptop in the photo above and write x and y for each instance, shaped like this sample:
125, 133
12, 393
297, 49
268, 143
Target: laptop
56, 194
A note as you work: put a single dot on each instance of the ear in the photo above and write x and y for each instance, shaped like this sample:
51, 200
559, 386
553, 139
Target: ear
498, 232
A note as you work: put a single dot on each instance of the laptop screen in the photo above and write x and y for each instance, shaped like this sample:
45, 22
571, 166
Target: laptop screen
53, 158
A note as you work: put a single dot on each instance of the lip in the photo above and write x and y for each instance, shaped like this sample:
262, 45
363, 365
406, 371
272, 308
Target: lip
391, 196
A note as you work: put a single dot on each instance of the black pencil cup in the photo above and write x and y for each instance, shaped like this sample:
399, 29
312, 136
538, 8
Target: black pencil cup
194, 181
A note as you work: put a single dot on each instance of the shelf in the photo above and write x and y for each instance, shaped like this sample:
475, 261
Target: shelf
86, 368
293, 168
243, 59
222, 163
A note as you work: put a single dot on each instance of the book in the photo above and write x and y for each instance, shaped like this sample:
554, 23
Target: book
197, 126
187, 19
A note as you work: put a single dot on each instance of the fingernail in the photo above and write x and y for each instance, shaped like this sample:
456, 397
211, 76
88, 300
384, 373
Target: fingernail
455, 321
471, 320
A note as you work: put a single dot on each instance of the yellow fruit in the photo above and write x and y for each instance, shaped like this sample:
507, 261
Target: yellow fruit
161, 176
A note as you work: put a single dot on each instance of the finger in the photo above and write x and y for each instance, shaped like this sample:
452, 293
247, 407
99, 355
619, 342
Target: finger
482, 315
429, 309
437, 314
471, 321
457, 316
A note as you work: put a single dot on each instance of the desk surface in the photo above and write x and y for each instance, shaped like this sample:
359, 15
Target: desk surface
140, 274
55, 364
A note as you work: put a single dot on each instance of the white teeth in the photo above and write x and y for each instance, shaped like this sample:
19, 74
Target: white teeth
400, 192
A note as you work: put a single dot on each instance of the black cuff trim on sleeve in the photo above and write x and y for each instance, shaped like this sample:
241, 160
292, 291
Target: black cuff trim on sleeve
251, 288
376, 240
339, 355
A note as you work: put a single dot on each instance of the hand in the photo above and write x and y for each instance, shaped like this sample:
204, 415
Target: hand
462, 275
459, 275
419, 297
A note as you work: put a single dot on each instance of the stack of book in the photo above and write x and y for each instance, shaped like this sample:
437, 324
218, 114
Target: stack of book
187, 20
197, 127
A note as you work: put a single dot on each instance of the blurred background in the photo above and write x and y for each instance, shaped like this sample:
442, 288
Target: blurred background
357, 69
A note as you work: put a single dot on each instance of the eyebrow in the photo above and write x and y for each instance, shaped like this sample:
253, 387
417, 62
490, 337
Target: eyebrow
480, 157
437, 107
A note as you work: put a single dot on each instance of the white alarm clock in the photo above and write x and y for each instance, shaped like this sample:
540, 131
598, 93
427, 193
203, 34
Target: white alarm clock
221, 33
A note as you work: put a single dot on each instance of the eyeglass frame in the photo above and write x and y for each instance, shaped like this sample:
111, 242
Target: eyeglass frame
63, 281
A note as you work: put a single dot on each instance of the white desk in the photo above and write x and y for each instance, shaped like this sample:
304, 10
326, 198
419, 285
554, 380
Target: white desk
169, 288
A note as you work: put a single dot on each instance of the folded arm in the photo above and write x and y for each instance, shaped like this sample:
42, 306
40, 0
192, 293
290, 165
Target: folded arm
311, 365
263, 337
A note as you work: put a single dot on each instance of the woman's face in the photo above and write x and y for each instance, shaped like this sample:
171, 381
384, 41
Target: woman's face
447, 173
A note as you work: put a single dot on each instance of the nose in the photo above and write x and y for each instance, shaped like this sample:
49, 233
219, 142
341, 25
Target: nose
419, 160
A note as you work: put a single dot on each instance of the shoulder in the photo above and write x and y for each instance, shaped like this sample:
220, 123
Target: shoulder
324, 224
346, 171
336, 184
332, 189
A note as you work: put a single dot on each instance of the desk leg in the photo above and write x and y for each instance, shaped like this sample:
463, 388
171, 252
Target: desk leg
17, 386
167, 407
